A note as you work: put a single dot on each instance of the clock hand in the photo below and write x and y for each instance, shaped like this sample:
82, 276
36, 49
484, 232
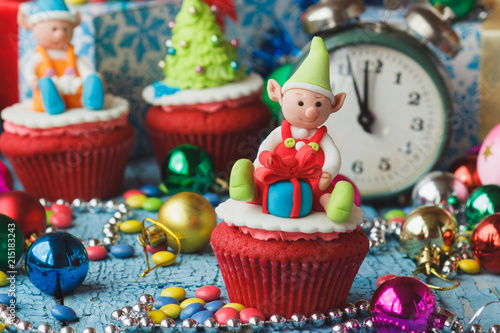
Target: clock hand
365, 116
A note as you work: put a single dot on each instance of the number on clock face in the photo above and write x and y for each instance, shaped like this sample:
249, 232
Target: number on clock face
409, 127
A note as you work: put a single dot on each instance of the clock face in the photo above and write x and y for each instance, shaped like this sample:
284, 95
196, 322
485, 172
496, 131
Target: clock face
389, 143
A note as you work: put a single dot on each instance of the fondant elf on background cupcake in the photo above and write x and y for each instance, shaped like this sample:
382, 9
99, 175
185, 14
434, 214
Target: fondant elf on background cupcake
206, 98
71, 141
300, 251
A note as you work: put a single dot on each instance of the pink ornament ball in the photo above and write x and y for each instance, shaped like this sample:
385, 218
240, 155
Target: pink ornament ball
488, 158
357, 195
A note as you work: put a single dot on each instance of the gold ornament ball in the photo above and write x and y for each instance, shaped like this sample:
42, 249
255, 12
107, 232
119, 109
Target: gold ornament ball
191, 218
428, 225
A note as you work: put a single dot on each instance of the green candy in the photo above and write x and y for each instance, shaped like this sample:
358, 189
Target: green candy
48, 214
393, 213
152, 204
163, 188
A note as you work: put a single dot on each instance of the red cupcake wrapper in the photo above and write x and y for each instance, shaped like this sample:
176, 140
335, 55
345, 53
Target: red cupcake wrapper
224, 148
96, 173
287, 287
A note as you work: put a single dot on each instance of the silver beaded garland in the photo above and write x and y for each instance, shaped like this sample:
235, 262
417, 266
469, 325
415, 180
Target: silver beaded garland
89, 330
233, 324
368, 325
298, 320
146, 322
111, 329
147, 300
167, 325
476, 328
188, 326
334, 316
363, 307
494, 329
127, 309
67, 329
25, 326
317, 319
255, 323
353, 325
339, 328
140, 309
210, 325
45, 328
277, 322
350, 311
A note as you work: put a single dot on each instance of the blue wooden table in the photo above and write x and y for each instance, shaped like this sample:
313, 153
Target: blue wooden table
110, 284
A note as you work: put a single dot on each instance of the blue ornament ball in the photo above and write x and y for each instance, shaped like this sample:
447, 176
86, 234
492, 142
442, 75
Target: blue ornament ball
57, 263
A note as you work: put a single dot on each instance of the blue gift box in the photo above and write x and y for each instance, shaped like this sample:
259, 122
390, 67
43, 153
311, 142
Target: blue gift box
280, 199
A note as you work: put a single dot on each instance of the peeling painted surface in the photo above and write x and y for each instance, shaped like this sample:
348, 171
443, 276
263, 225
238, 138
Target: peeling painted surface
110, 284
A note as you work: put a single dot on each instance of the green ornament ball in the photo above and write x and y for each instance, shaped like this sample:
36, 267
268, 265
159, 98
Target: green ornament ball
187, 168
483, 202
11, 243
281, 75
462, 8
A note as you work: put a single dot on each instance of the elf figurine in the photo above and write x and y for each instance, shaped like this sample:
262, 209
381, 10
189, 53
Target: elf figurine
60, 80
299, 150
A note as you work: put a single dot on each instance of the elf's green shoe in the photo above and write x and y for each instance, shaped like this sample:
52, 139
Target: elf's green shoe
241, 183
341, 202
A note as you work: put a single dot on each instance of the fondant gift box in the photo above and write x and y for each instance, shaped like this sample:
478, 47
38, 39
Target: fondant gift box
126, 40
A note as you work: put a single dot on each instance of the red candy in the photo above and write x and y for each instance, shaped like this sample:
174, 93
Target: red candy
96, 252
131, 192
248, 313
63, 209
153, 250
208, 293
384, 278
61, 220
224, 314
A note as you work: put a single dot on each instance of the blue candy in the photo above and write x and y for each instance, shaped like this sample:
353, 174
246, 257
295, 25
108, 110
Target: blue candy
190, 310
214, 306
213, 198
151, 191
5, 299
122, 251
164, 300
202, 316
63, 313
408, 209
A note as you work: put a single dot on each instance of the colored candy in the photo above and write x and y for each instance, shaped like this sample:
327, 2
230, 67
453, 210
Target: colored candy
48, 214
157, 316
213, 198
202, 316
214, 306
122, 251
165, 258
97, 252
208, 293
63, 313
61, 220
393, 213
384, 278
129, 193
153, 250
6, 299
151, 191
152, 204
176, 292
237, 306
2, 327
3, 279
135, 200
190, 301
224, 314
163, 188
131, 227
248, 313
190, 310
63, 209
469, 266
164, 300
172, 310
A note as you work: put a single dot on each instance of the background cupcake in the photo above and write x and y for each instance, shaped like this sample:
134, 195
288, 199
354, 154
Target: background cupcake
206, 99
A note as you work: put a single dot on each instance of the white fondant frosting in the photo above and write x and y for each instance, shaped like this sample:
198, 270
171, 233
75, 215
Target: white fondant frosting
246, 87
22, 114
243, 214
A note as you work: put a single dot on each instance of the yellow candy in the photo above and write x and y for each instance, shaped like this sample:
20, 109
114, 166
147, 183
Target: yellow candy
176, 292
191, 301
163, 257
463, 239
3, 279
237, 306
131, 227
2, 327
171, 310
157, 315
445, 247
135, 201
469, 266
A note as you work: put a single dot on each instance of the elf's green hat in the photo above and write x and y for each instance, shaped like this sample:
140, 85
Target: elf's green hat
314, 73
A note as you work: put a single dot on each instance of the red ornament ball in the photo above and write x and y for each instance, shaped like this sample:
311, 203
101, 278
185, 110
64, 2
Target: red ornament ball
25, 209
485, 243
465, 169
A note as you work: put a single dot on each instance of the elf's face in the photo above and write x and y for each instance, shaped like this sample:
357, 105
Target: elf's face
54, 34
306, 109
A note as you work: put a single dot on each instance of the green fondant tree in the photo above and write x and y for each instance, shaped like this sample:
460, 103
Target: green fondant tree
198, 54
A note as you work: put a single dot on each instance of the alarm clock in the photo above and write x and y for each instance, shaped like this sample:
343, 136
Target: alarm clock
393, 127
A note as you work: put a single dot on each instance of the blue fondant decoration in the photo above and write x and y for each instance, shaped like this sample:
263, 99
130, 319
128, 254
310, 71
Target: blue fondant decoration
161, 89
51, 100
280, 199
93, 93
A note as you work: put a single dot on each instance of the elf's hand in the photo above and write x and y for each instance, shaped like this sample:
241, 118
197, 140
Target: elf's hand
324, 181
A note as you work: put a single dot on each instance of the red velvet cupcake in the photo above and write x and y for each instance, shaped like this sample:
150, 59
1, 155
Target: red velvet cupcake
76, 154
285, 266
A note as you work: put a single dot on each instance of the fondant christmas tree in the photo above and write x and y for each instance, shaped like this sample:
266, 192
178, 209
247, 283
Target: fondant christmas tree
199, 56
